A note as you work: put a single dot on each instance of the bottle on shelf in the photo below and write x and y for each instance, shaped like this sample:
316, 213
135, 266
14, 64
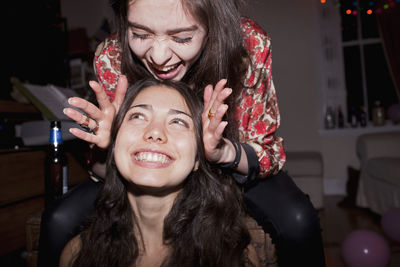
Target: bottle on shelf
329, 118
56, 166
340, 117
353, 117
363, 117
378, 114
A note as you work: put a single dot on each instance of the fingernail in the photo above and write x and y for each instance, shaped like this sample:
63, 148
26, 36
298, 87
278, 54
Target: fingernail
64, 111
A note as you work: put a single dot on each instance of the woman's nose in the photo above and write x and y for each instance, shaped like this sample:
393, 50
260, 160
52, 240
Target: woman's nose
160, 52
155, 132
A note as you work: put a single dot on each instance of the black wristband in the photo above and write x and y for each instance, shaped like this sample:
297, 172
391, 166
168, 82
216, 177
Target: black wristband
238, 151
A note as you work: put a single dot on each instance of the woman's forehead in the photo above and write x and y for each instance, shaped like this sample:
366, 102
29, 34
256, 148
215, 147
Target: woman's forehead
160, 14
162, 97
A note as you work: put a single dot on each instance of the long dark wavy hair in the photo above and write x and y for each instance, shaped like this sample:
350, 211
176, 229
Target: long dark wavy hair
205, 226
223, 54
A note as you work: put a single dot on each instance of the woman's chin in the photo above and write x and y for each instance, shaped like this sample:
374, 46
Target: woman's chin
153, 189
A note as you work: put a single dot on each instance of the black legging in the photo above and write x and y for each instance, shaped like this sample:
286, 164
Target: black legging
286, 214
289, 217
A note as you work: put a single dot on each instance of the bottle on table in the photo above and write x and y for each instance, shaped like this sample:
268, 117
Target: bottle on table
56, 166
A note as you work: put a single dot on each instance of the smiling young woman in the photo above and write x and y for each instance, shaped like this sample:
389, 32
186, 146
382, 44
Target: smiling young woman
161, 203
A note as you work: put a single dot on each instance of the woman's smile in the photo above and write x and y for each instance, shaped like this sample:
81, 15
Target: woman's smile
166, 72
152, 159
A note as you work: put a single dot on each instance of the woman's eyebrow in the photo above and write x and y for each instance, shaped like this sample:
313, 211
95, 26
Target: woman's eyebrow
171, 111
172, 31
138, 26
145, 106
175, 111
183, 29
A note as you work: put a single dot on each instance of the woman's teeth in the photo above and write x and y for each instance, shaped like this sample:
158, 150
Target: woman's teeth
151, 157
166, 69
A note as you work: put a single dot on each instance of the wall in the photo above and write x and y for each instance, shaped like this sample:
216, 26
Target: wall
85, 13
294, 68
293, 27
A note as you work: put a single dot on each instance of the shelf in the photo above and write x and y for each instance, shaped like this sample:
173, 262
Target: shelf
388, 127
15, 107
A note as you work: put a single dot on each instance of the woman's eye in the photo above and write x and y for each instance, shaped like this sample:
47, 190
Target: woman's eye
180, 122
182, 40
138, 116
140, 36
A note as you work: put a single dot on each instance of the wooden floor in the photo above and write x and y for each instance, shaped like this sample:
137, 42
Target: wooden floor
338, 222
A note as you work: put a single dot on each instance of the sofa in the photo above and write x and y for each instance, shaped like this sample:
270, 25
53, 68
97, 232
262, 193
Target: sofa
379, 184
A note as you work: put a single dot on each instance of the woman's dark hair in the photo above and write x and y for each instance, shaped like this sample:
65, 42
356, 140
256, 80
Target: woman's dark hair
223, 55
205, 226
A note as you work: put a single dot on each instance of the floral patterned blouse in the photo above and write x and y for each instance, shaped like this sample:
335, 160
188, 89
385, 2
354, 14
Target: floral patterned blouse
257, 111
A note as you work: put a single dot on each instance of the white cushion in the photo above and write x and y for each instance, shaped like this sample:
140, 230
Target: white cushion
384, 169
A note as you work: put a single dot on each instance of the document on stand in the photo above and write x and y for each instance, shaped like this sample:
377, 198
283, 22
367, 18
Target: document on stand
49, 99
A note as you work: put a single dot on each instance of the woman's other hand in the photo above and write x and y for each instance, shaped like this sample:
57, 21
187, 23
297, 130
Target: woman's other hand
214, 126
97, 119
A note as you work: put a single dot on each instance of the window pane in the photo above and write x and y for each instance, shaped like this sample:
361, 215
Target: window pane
349, 21
353, 78
368, 19
380, 86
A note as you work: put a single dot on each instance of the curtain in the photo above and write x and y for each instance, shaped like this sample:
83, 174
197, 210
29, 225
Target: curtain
389, 27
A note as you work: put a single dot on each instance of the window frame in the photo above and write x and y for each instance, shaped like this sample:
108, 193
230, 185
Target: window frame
329, 19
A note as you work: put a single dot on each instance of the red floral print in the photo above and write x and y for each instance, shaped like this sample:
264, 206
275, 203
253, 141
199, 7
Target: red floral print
109, 76
257, 111
248, 101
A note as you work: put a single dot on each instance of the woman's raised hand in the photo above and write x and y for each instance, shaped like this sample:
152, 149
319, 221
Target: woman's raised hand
213, 125
97, 120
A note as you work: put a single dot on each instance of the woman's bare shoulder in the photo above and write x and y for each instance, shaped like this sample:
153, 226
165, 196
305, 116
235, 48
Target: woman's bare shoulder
70, 252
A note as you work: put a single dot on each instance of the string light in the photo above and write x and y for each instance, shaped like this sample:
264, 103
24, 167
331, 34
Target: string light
373, 7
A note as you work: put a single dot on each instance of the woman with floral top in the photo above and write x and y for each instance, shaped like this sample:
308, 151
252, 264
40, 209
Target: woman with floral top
205, 43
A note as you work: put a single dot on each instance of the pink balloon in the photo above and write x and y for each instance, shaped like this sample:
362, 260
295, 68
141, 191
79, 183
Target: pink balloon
365, 248
391, 223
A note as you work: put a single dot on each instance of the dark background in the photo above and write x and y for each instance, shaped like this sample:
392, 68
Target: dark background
36, 44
